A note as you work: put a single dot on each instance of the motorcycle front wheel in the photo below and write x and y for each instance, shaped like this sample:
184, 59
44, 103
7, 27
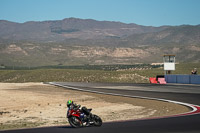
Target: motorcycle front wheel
75, 122
97, 121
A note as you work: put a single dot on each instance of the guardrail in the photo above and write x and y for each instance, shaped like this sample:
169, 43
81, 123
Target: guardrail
183, 79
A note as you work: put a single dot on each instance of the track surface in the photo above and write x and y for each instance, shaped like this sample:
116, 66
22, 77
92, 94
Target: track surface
180, 124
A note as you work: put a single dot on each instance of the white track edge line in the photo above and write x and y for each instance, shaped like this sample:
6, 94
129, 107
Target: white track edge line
74, 88
115, 94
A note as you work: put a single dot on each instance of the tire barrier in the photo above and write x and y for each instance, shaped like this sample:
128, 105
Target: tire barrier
160, 79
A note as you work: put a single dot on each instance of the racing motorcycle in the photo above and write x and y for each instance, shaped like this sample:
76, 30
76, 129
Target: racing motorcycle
77, 118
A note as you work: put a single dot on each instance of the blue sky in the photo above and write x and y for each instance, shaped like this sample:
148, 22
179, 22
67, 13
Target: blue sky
143, 12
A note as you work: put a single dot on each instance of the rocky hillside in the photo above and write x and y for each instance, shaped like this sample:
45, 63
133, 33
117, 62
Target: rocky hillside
60, 30
77, 42
178, 35
35, 54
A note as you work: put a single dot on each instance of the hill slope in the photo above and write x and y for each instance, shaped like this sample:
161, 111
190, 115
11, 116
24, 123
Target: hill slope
76, 41
180, 35
60, 30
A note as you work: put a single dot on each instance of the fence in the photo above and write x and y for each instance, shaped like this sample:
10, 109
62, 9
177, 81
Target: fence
183, 79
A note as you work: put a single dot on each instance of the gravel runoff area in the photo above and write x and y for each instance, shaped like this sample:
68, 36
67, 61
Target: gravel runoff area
26, 105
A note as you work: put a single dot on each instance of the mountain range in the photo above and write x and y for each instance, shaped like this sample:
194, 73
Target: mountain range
70, 28
74, 41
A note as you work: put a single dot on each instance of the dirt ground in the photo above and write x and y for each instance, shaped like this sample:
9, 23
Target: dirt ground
24, 105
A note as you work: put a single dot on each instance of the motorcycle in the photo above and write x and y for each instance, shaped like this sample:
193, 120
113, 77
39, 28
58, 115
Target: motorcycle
77, 118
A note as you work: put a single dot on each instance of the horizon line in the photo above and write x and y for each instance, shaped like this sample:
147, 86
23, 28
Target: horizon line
91, 19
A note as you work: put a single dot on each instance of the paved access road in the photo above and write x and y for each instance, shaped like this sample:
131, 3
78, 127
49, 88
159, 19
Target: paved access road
180, 124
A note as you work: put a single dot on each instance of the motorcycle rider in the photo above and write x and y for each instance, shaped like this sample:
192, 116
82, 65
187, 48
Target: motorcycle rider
74, 106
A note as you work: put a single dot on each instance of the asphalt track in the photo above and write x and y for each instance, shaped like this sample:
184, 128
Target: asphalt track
187, 123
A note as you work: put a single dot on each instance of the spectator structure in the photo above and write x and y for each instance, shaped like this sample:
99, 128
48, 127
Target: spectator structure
169, 63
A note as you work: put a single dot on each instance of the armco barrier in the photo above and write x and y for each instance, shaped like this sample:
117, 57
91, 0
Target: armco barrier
183, 79
170, 78
195, 79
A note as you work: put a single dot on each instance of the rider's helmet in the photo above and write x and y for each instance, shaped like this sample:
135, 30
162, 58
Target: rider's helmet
69, 102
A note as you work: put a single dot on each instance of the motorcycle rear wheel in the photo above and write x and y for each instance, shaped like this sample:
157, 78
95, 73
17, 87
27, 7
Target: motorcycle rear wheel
97, 121
75, 122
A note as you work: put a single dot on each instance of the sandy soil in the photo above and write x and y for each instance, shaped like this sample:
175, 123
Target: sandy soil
25, 105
